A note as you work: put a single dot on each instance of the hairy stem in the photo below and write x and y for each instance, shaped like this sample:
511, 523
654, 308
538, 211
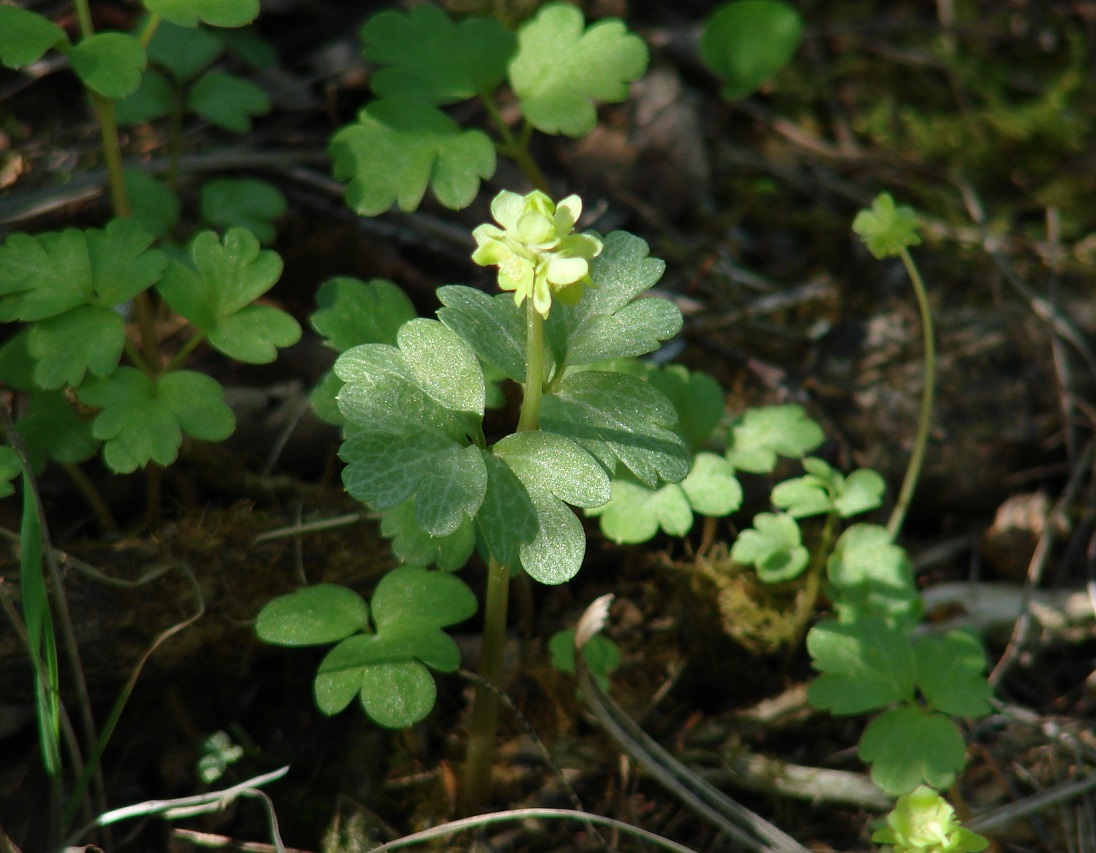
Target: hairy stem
485, 707
924, 421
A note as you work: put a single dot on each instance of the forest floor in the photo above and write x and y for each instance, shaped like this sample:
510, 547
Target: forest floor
980, 115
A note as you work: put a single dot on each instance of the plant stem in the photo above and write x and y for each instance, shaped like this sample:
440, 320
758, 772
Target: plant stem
517, 149
924, 422
91, 495
804, 607
485, 706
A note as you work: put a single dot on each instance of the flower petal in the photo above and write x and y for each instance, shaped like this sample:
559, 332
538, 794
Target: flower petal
507, 208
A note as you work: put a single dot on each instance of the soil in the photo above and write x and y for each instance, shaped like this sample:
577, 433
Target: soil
964, 109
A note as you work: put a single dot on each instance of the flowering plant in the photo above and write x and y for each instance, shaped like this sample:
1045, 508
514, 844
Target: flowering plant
924, 822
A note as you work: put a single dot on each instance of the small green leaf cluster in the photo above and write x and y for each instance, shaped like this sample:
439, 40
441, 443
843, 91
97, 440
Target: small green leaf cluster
402, 142
602, 655
384, 650
923, 822
86, 384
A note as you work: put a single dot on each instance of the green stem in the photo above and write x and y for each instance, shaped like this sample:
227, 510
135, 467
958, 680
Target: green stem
815, 572
91, 496
184, 351
517, 149
924, 422
485, 707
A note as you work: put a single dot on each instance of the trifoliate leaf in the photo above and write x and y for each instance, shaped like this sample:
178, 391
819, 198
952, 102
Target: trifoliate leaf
87, 338
802, 497
109, 63
248, 46
410, 596
493, 326
312, 616
773, 546
143, 421
865, 665
428, 56
353, 312
886, 229
154, 205
398, 146
442, 365
636, 513
153, 99
562, 68
245, 203
711, 487
618, 417
25, 36
216, 13
907, 746
698, 399
415, 547
184, 51
227, 101
748, 41
951, 674
862, 491
609, 322
215, 294
53, 428
602, 655
872, 576
47, 274
507, 519
761, 434
398, 695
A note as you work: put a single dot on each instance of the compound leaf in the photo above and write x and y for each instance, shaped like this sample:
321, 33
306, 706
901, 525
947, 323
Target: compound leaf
748, 41
25, 36
801, 497
184, 51
398, 146
443, 365
908, 746
312, 616
551, 463
887, 228
215, 294
865, 665
761, 434
618, 417
52, 427
143, 421
227, 101
109, 63
245, 203
217, 13
950, 674
635, 512
154, 205
430, 57
602, 655
711, 486
562, 67
153, 99
773, 546
862, 491
507, 519
397, 695
698, 399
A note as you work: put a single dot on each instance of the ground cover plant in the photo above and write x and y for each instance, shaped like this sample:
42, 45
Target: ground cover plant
469, 437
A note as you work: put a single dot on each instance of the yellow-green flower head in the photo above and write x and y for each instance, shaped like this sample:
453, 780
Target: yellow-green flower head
535, 250
923, 822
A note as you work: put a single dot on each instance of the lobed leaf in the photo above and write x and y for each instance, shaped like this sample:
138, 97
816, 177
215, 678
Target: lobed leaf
53, 428
397, 695
215, 295
711, 486
887, 229
618, 417
442, 365
951, 674
415, 547
153, 99
398, 146
143, 421
87, 338
494, 327
312, 616
762, 434
602, 655
243, 203
773, 546
353, 312
155, 206
217, 13
909, 745
184, 51
25, 36
507, 520
635, 512
872, 576
429, 57
110, 64
865, 665
227, 101
413, 597
562, 68
862, 491
748, 41
698, 399
11, 466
